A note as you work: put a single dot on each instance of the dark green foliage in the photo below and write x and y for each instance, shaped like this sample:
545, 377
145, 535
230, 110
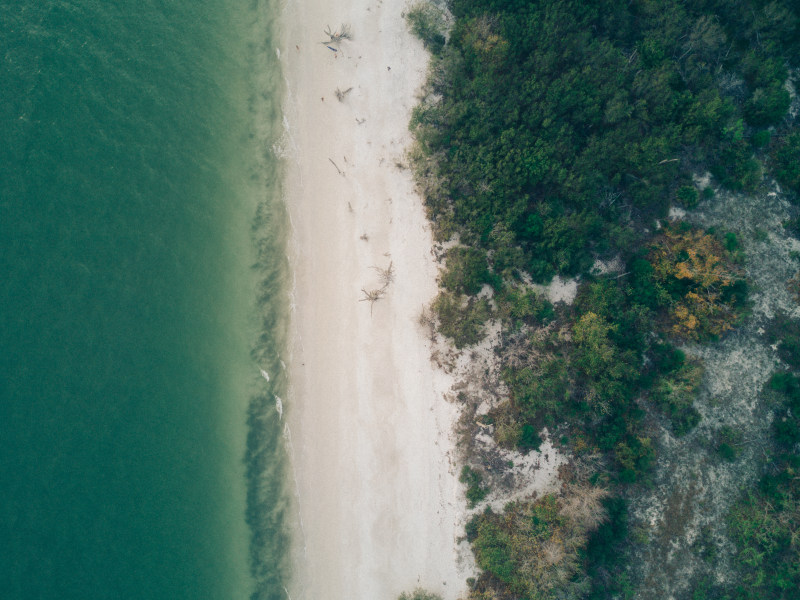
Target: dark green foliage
634, 456
731, 242
427, 23
786, 161
476, 490
767, 105
532, 548
789, 385
785, 333
761, 138
605, 551
793, 226
786, 425
518, 306
736, 169
687, 196
493, 551
767, 558
592, 381
643, 288
765, 524
675, 392
556, 118
705, 547
557, 132
466, 270
539, 393
461, 318
667, 358
529, 439
729, 443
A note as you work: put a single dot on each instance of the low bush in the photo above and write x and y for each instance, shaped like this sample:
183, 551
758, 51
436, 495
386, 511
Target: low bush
461, 318
476, 490
427, 23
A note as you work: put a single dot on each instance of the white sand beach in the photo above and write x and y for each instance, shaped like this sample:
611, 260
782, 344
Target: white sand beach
378, 503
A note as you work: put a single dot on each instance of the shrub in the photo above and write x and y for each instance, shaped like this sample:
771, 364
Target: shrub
675, 393
534, 547
466, 270
539, 392
786, 162
529, 438
761, 138
788, 340
427, 23
728, 443
634, 457
476, 491
461, 319
687, 196
524, 305
736, 168
767, 105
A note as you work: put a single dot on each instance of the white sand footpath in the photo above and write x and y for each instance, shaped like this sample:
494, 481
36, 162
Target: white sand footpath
378, 499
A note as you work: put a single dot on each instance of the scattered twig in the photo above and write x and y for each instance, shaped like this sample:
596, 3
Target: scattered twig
372, 296
386, 275
343, 33
341, 94
337, 167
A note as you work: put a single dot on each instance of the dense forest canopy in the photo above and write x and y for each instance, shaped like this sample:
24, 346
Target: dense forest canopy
560, 124
559, 132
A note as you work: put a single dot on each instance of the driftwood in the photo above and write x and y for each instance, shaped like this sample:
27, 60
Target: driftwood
386, 276
341, 94
335, 37
372, 296
337, 167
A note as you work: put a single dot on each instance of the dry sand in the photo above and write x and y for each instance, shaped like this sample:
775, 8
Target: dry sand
378, 504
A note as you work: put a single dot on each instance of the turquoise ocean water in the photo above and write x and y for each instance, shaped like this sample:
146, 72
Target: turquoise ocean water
143, 287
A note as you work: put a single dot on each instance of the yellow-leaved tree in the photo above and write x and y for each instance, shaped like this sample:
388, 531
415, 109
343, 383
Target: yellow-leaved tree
697, 271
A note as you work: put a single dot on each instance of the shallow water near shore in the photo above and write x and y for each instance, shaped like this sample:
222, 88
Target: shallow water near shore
144, 287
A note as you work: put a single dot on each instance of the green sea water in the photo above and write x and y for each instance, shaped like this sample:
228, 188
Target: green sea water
143, 284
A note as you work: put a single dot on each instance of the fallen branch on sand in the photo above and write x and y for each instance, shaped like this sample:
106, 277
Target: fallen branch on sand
386, 275
372, 296
343, 33
337, 167
341, 94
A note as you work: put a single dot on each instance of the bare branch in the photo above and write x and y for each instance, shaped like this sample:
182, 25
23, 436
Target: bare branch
341, 94
337, 167
386, 275
335, 37
371, 296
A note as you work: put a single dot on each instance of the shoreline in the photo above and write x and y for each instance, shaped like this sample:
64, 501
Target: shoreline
377, 503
